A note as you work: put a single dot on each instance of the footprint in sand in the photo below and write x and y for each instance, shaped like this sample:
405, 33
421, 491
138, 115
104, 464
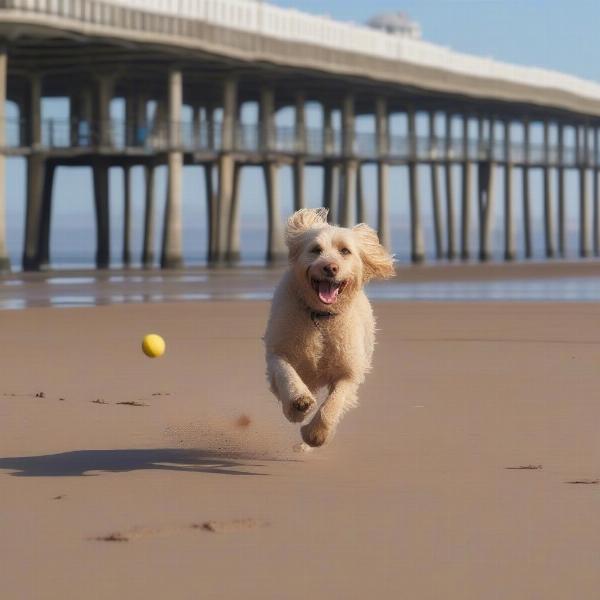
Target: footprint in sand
137, 533
584, 481
229, 526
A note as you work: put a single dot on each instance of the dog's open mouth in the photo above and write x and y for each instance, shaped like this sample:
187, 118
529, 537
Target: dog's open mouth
328, 291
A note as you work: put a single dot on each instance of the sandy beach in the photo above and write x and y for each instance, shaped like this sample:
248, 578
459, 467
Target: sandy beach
195, 491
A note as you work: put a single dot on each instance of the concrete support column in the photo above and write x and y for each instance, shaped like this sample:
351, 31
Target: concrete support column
220, 216
348, 193
140, 119
4, 260
148, 248
100, 174
275, 244
34, 111
417, 249
301, 148
361, 208
298, 169
233, 253
328, 133
509, 234
482, 153
74, 118
267, 119
300, 124
103, 96
526, 195
44, 244
196, 127
548, 224
485, 179
209, 115
229, 114
562, 237
81, 115
596, 193
35, 177
171, 256
435, 188
382, 132
450, 243
226, 168
331, 191
583, 146
331, 169
276, 251
349, 167
383, 204
211, 214
130, 120
466, 193
87, 134
126, 256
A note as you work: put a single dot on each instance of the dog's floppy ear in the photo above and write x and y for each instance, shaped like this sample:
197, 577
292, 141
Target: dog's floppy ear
377, 261
299, 222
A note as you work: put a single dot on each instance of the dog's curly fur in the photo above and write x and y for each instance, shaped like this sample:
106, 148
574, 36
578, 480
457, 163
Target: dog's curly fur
321, 329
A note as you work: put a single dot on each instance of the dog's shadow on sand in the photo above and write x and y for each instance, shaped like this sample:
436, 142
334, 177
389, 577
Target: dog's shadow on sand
89, 462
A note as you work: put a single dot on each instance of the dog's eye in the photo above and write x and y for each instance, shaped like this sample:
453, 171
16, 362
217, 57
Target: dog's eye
316, 250
345, 251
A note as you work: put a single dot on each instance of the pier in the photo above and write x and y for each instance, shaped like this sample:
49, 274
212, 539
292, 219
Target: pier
185, 71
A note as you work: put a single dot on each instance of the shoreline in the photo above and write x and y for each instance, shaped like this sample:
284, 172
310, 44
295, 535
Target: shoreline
441, 271
531, 282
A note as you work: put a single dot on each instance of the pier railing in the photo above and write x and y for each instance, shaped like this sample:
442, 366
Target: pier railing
59, 135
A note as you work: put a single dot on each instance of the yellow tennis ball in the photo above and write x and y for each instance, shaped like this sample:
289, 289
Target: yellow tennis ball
153, 345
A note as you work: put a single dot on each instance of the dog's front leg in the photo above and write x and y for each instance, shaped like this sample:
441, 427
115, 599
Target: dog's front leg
342, 396
295, 397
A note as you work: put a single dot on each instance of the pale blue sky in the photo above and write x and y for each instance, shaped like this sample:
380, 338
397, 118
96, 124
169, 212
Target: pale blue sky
556, 34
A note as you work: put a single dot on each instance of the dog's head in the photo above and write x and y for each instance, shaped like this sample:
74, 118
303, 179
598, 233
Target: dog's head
330, 264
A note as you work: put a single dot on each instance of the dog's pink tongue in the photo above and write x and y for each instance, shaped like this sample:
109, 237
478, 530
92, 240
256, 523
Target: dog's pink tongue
327, 292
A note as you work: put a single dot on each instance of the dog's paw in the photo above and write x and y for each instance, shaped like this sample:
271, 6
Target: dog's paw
296, 410
316, 432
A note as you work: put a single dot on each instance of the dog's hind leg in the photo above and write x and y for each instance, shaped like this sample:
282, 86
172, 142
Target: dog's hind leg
295, 397
342, 396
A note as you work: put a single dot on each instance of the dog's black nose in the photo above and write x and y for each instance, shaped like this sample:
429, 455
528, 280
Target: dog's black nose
330, 270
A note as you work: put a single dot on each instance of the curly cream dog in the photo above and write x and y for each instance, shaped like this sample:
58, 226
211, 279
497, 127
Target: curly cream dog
321, 329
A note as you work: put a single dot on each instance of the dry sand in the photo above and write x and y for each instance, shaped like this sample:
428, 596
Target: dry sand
198, 494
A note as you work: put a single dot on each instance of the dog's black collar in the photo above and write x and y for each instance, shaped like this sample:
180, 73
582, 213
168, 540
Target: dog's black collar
316, 314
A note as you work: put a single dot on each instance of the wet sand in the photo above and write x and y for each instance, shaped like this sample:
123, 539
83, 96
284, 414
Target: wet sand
198, 493
559, 281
